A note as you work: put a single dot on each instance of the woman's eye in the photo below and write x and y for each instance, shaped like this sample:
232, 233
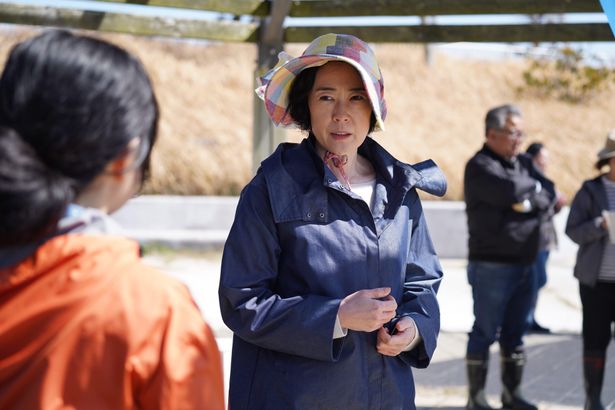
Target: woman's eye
325, 98
358, 97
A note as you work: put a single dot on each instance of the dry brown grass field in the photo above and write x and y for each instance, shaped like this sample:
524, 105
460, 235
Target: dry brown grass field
436, 111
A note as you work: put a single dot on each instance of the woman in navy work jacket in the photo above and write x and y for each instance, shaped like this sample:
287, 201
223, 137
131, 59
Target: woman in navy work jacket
329, 276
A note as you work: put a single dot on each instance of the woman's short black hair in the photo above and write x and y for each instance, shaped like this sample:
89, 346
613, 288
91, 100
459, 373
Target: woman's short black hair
69, 104
534, 149
298, 107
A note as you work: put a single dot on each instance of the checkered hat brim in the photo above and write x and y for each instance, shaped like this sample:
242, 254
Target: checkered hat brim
275, 84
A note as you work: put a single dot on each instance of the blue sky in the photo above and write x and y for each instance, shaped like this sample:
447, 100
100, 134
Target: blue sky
605, 50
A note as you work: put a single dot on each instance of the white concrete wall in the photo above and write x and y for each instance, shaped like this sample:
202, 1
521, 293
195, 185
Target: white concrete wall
179, 221
448, 228
204, 222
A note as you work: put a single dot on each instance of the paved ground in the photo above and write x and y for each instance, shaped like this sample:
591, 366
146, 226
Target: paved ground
553, 373
552, 378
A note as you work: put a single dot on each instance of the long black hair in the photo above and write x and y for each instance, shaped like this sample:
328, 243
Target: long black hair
69, 105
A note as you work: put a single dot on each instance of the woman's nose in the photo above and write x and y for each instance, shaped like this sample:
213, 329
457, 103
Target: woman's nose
340, 112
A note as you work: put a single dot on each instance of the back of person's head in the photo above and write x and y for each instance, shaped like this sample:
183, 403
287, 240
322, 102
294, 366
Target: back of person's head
496, 117
69, 105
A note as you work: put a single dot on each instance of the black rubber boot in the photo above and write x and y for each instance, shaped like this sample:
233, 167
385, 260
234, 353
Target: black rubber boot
477, 366
512, 373
593, 371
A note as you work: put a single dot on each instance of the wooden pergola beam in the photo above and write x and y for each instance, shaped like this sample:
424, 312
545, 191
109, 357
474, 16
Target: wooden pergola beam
338, 8
508, 33
237, 7
131, 24
233, 31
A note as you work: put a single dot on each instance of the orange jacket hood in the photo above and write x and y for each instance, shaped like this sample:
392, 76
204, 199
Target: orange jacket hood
84, 323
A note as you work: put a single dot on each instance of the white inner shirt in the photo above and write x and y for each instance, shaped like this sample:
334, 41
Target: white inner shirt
366, 191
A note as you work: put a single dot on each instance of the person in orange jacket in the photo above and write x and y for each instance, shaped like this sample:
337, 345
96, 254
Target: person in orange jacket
83, 322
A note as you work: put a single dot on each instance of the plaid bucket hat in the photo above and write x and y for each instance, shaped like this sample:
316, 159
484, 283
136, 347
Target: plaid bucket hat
276, 83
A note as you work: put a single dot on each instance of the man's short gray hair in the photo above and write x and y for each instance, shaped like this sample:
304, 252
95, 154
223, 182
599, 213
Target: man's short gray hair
496, 117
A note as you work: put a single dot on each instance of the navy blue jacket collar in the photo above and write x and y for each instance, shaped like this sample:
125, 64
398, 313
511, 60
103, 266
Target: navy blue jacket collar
296, 177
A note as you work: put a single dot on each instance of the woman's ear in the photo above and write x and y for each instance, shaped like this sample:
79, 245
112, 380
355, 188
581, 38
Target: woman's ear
124, 161
118, 182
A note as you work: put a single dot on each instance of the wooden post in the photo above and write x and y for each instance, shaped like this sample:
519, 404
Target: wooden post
266, 136
427, 47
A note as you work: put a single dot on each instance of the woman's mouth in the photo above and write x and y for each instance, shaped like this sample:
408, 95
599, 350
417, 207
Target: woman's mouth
340, 135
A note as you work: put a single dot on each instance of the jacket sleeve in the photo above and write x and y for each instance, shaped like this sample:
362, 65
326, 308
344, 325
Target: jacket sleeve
545, 200
423, 276
486, 181
188, 366
299, 324
581, 225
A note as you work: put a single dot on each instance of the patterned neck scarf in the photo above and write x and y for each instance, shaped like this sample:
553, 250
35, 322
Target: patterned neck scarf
337, 161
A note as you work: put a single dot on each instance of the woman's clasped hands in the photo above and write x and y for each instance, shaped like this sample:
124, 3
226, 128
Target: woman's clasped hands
368, 310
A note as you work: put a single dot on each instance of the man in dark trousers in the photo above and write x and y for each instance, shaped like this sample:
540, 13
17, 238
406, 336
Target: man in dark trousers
506, 199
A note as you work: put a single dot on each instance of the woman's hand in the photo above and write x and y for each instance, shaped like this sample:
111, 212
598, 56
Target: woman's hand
393, 345
604, 223
367, 310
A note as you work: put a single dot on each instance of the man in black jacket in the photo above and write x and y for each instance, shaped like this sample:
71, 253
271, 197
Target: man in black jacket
506, 199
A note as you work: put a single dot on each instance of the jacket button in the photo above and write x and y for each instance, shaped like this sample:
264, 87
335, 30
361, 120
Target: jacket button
309, 215
321, 215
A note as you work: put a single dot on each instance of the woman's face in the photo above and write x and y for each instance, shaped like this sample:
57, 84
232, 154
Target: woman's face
541, 159
340, 109
127, 178
116, 184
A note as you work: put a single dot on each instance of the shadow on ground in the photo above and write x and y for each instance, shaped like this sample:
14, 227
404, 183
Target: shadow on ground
552, 375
